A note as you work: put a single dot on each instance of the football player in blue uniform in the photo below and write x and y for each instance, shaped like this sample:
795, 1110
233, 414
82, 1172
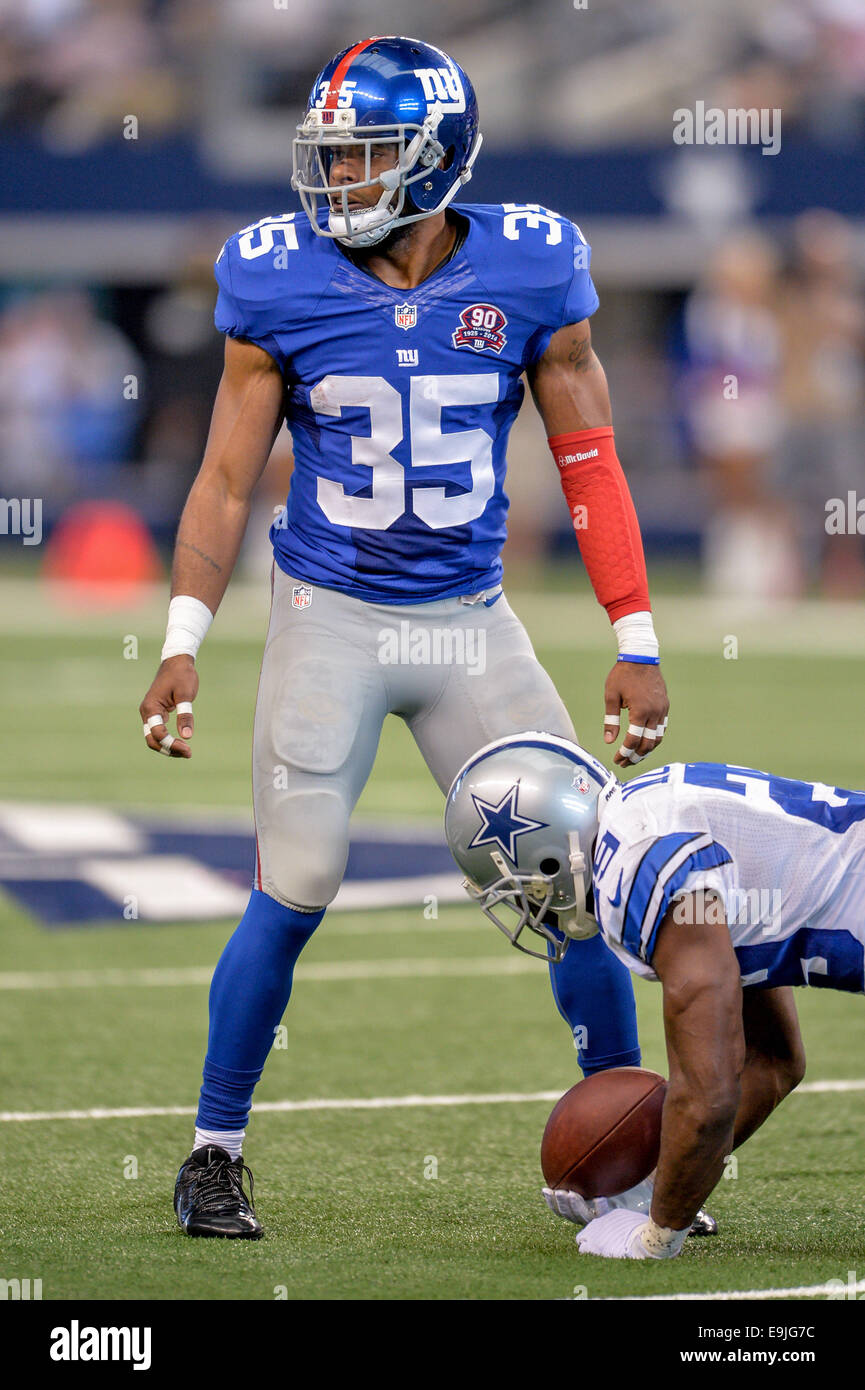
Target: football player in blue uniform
391, 331
727, 884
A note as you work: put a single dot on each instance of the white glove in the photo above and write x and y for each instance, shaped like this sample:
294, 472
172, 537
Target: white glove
620, 1235
581, 1210
572, 1206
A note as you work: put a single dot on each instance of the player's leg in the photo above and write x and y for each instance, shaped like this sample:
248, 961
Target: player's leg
319, 713
508, 692
774, 1056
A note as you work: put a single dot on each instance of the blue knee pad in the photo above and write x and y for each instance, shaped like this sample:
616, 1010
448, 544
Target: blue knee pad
250, 989
595, 997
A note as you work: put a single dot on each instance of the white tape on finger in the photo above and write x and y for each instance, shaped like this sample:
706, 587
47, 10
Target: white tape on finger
165, 744
154, 720
614, 720
185, 707
631, 756
636, 730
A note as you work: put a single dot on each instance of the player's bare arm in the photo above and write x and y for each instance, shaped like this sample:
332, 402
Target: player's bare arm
570, 391
247, 414
763, 1062
774, 1056
569, 384
695, 961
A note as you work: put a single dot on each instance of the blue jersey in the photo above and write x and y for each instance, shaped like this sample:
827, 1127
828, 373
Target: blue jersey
787, 859
400, 402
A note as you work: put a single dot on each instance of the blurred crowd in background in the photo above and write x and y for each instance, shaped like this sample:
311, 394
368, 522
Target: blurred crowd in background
738, 403
70, 68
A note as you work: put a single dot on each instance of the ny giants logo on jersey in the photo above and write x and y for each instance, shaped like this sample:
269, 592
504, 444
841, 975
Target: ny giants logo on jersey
481, 329
405, 315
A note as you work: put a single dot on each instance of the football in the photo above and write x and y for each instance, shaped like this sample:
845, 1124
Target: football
604, 1135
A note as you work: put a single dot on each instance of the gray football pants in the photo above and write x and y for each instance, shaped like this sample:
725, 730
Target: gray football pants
460, 673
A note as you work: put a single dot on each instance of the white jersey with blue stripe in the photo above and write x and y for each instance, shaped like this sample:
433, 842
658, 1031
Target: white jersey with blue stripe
400, 401
786, 857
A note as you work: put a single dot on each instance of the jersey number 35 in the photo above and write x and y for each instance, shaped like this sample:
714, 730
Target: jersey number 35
430, 447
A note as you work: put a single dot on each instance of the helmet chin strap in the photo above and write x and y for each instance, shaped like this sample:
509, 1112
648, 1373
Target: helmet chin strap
578, 922
361, 229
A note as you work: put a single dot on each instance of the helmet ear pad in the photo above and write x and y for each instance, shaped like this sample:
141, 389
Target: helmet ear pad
414, 194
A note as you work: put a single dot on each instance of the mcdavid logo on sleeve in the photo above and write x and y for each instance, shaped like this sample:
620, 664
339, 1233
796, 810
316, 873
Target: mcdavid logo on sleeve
481, 329
564, 459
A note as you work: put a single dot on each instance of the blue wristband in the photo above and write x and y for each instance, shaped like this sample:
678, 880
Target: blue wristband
640, 660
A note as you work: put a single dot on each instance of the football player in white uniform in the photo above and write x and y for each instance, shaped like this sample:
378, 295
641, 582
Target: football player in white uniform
728, 885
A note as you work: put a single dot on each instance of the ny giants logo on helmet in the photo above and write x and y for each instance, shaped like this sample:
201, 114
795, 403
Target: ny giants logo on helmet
481, 329
442, 87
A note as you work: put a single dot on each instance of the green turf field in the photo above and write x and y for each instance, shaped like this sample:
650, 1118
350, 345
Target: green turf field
387, 1005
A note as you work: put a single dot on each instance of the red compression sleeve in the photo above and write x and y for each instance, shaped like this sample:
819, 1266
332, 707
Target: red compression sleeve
604, 519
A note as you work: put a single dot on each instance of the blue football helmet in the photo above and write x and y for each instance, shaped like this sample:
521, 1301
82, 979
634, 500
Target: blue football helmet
386, 91
521, 821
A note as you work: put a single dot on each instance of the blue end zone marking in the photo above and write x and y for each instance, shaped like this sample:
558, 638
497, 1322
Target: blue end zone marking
63, 902
51, 884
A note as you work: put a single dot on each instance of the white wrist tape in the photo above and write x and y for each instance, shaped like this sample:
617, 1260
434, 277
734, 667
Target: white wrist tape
636, 634
188, 621
661, 1242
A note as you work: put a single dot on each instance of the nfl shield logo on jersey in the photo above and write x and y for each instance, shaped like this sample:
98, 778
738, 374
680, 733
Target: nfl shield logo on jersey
405, 315
301, 596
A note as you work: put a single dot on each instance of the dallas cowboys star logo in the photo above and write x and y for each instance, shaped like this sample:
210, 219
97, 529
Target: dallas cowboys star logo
502, 824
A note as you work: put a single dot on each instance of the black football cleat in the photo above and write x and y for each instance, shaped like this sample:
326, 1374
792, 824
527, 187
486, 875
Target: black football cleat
703, 1224
209, 1198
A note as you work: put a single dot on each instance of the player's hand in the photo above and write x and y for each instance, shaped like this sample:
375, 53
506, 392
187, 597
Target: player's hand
582, 1210
616, 1235
642, 691
175, 686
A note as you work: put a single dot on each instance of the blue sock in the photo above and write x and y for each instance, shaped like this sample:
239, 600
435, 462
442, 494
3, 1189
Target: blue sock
595, 997
250, 989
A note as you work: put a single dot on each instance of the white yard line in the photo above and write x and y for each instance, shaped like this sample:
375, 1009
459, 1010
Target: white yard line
162, 976
370, 1103
839, 1287
359, 1103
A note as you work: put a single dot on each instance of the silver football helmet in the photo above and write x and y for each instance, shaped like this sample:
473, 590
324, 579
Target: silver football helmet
521, 821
